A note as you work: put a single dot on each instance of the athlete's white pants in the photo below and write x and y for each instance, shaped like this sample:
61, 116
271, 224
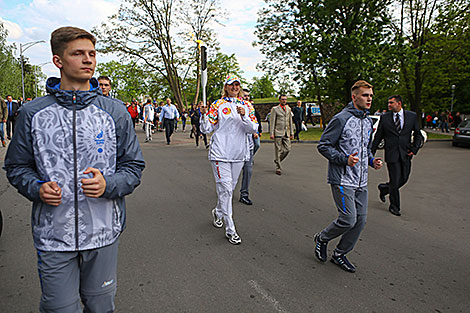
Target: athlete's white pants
226, 176
148, 130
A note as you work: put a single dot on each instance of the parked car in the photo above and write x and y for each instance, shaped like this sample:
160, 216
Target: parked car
462, 133
375, 125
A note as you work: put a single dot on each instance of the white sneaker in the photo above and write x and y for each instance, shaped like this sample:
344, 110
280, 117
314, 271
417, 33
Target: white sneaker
217, 222
234, 239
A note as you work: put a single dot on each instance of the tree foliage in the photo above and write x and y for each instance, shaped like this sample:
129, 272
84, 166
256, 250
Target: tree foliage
417, 48
328, 44
262, 87
145, 31
10, 69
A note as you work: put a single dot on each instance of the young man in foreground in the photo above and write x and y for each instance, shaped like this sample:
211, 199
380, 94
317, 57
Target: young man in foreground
346, 144
74, 155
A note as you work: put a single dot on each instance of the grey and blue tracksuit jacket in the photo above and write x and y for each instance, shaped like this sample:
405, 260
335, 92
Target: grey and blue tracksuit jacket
57, 137
348, 132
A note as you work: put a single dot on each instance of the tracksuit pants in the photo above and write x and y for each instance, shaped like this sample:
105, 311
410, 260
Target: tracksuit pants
226, 176
351, 203
67, 277
148, 130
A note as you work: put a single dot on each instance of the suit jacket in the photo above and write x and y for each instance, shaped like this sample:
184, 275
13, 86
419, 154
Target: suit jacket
14, 108
398, 145
280, 122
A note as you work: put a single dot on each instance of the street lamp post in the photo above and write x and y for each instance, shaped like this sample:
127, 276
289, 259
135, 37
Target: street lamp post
23, 48
452, 104
35, 76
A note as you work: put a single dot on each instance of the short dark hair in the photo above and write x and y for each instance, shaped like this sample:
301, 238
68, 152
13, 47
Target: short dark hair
63, 35
396, 97
281, 95
102, 77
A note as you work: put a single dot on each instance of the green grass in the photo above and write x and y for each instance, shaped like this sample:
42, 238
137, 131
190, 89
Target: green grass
272, 100
439, 136
310, 134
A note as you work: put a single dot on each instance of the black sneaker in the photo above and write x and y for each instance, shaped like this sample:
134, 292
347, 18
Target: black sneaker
217, 222
320, 248
246, 200
343, 262
234, 239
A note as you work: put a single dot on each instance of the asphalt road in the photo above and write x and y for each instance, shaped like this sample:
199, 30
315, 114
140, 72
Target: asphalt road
173, 260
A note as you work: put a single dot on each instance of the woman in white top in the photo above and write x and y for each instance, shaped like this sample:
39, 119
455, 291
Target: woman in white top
230, 119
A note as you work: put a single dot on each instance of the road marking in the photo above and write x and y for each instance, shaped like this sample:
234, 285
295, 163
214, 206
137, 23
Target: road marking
267, 297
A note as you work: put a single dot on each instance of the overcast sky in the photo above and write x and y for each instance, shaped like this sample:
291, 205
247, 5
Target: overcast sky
33, 20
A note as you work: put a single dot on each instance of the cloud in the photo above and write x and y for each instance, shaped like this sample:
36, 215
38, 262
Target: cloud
35, 20
14, 30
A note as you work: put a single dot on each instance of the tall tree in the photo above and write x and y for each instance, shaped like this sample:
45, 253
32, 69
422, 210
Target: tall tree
328, 44
412, 33
145, 31
197, 15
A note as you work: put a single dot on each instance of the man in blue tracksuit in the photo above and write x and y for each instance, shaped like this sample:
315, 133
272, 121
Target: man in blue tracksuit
75, 155
346, 144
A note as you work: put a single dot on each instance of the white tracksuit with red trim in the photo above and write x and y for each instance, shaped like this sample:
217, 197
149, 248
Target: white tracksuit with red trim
229, 149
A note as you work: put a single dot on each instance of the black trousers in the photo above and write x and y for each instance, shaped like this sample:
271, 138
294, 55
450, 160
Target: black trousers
169, 128
198, 133
298, 129
398, 174
10, 126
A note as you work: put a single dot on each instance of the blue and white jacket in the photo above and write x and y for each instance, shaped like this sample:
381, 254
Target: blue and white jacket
57, 137
348, 132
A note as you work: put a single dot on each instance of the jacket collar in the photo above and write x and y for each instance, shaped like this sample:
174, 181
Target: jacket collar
64, 97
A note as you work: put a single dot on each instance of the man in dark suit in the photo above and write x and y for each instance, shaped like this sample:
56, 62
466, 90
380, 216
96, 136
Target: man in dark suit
396, 128
12, 107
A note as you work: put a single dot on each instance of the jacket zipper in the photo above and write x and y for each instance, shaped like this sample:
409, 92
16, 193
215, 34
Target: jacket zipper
75, 165
362, 150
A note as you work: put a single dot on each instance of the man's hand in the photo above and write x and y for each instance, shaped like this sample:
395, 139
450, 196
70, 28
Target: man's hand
410, 153
255, 135
353, 159
377, 163
93, 187
50, 193
272, 136
291, 137
241, 111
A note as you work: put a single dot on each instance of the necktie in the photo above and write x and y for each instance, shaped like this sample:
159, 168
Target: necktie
397, 122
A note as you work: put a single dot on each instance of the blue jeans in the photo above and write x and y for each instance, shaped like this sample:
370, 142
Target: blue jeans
256, 142
2, 133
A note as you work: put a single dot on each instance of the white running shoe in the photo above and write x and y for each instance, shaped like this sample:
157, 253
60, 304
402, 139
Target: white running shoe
234, 239
217, 222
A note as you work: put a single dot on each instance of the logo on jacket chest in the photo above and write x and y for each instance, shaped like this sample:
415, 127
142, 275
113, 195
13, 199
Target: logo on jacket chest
226, 111
99, 141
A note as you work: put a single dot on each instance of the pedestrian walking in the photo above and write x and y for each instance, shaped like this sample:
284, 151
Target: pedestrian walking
75, 156
281, 130
3, 120
132, 109
346, 144
168, 117
230, 119
12, 107
396, 127
149, 113
247, 170
298, 112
